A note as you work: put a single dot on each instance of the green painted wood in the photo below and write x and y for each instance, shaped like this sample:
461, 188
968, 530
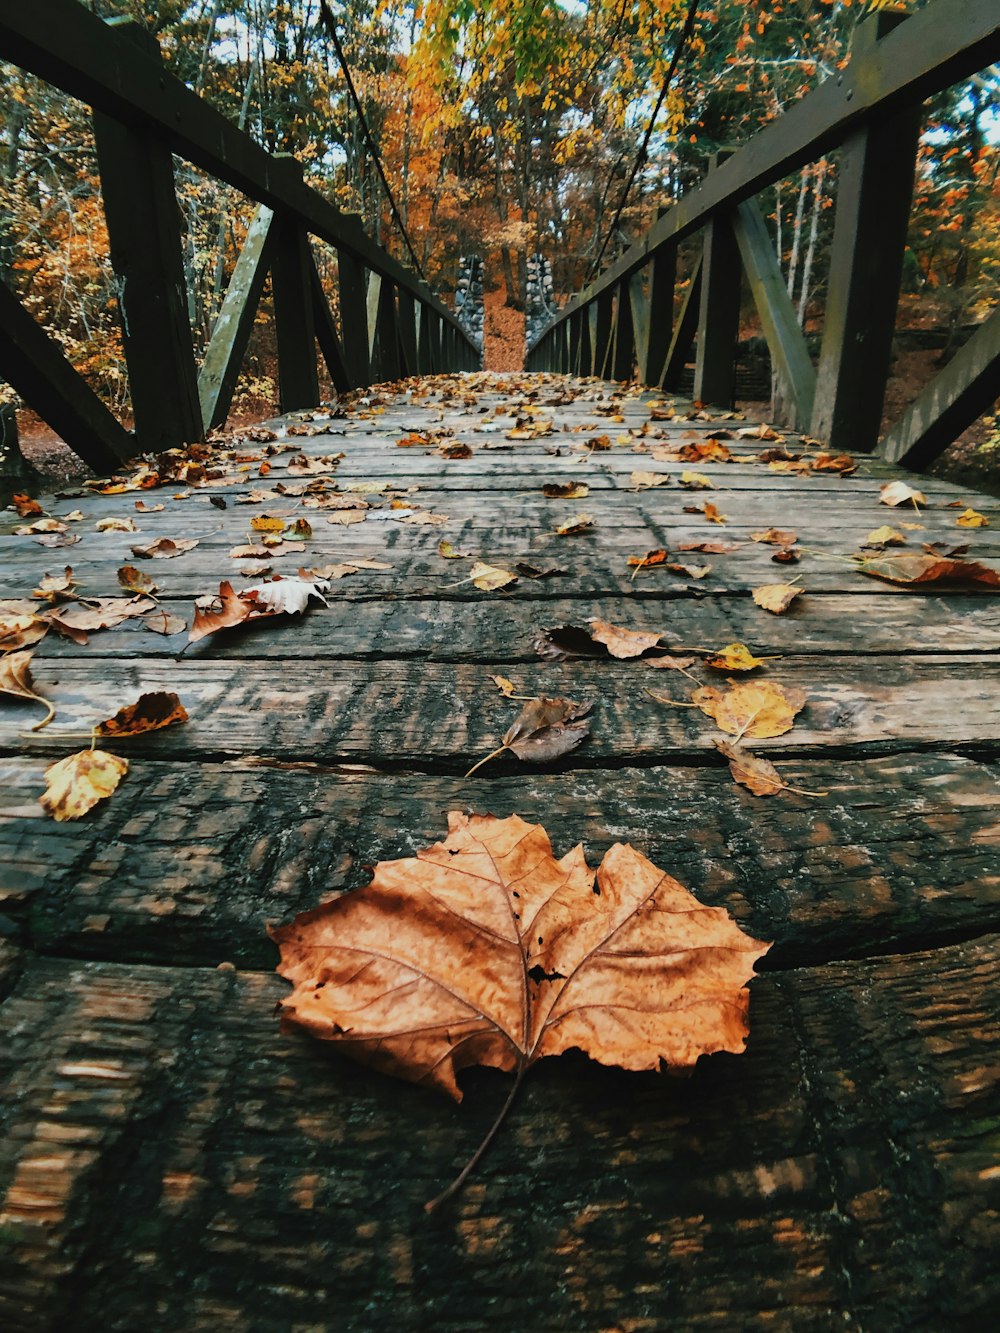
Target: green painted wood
220, 368
789, 356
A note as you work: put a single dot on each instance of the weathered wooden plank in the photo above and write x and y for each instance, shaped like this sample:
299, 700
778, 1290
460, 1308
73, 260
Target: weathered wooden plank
446, 715
144, 237
189, 862
965, 389
874, 192
844, 1167
221, 365
37, 370
796, 377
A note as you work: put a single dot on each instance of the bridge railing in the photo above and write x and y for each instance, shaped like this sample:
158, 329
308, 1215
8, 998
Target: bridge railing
622, 326
390, 323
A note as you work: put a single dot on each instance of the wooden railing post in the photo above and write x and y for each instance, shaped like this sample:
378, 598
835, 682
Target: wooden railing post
352, 282
327, 334
144, 232
684, 333
407, 331
874, 193
386, 331
585, 361
623, 349
294, 326
719, 315
659, 313
603, 332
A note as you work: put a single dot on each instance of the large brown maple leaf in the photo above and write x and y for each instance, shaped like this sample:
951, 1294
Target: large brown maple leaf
485, 949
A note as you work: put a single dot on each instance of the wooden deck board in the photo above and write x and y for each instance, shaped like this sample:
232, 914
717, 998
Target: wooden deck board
170, 1159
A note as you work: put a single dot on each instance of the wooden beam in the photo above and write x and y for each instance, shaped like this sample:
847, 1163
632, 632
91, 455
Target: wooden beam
352, 279
967, 387
794, 370
294, 325
659, 314
684, 332
407, 332
327, 334
144, 235
874, 192
385, 330
220, 368
934, 49
623, 348
603, 333
37, 369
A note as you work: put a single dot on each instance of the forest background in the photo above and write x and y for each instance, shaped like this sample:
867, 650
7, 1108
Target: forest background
506, 128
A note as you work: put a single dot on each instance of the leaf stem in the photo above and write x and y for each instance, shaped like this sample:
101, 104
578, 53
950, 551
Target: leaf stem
486, 760
474, 1160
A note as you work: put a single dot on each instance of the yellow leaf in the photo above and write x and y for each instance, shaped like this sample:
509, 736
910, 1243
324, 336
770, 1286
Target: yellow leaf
885, 536
267, 523
490, 577
971, 519
75, 785
734, 657
775, 597
752, 708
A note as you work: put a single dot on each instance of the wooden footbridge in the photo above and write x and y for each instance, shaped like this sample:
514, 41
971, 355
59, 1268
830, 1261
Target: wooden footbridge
169, 1158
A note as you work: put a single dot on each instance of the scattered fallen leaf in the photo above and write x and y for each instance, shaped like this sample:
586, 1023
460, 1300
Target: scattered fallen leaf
15, 679
708, 509
569, 490
75, 784
455, 450
150, 712
776, 597
506, 687
21, 630
267, 523
622, 643
666, 661
116, 525
423, 516
57, 539
490, 577
787, 555
485, 949
285, 594
25, 506
657, 557
573, 526
536, 571
690, 571
758, 775
971, 518
40, 525
734, 657
160, 622
449, 552
884, 536
775, 537
696, 481
543, 730
757, 708
82, 619
134, 580
709, 548
262, 600
914, 569
898, 492
842, 463
644, 481
54, 587
165, 548
143, 508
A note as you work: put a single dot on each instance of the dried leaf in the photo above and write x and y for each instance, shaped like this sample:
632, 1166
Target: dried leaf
544, 729
25, 506
285, 595
971, 518
448, 552
537, 572
842, 463
162, 623
709, 548
758, 775
915, 569
75, 785
709, 510
573, 526
696, 481
301, 529
455, 450
734, 657
143, 508
775, 537
134, 580
52, 539
668, 662
884, 536
490, 577
506, 687
116, 525
165, 548
776, 597
78, 621
757, 708
15, 679
422, 517
21, 630
51, 587
150, 712
249, 553
569, 490
690, 571
485, 949
622, 643
644, 481
261, 601
651, 558
40, 525
267, 523
898, 492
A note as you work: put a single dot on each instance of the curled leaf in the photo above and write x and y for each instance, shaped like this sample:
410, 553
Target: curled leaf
916, 569
758, 775
971, 518
544, 729
884, 536
15, 679
620, 642
165, 548
775, 537
21, 630
489, 578
75, 785
898, 492
734, 657
568, 490
776, 597
134, 580
573, 526
696, 481
150, 712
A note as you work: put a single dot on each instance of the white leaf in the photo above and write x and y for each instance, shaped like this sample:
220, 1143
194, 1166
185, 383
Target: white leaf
288, 595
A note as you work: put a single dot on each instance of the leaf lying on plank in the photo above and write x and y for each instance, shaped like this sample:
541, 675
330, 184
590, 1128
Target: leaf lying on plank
52, 539
21, 630
449, 552
758, 775
573, 526
150, 712
117, 525
55, 587
134, 580
709, 548
160, 622
734, 657
620, 642
75, 784
650, 559
485, 949
566, 641
971, 518
165, 548
537, 572
690, 571
775, 597
544, 729
842, 463
752, 708
25, 506
884, 536
669, 662
568, 490
263, 600
15, 680
696, 481
44, 525
645, 481
82, 619
709, 510
899, 493
916, 569
775, 537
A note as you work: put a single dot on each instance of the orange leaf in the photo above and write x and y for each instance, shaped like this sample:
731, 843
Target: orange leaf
486, 949
752, 708
621, 642
150, 712
913, 569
